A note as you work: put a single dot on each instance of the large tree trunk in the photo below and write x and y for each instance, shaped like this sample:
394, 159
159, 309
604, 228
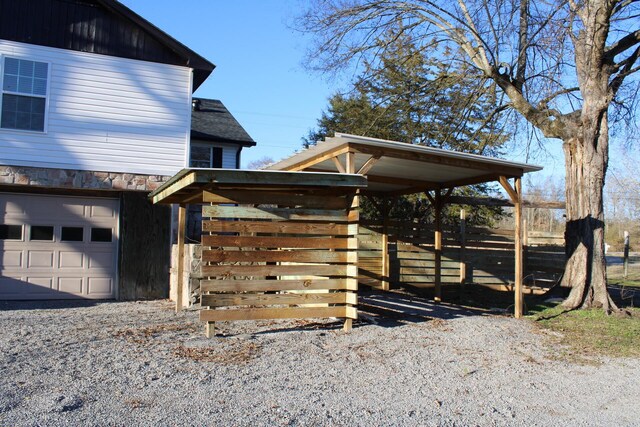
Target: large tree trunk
586, 159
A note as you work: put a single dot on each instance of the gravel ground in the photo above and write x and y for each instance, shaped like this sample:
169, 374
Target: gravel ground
138, 363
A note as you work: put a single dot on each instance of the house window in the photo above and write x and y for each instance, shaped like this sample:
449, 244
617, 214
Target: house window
24, 94
205, 156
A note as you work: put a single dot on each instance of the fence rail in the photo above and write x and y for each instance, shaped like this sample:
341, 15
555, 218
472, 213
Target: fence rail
470, 256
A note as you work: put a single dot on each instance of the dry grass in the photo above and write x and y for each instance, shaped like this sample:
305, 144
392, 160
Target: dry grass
145, 334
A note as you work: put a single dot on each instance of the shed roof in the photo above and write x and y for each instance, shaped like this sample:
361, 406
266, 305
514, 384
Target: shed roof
187, 186
401, 168
211, 121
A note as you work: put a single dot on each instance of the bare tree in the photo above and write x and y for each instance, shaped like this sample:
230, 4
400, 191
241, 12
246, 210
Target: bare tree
560, 64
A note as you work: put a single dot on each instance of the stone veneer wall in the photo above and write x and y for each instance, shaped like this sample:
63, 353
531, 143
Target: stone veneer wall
65, 178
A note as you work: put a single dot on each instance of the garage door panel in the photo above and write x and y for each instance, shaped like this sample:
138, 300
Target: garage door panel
98, 211
70, 284
100, 260
99, 285
40, 259
40, 284
11, 285
11, 259
11, 208
61, 261
70, 259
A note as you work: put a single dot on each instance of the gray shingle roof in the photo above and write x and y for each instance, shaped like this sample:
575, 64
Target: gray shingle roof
211, 121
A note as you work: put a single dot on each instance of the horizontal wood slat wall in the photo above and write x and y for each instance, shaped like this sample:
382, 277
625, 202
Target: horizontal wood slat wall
278, 255
488, 255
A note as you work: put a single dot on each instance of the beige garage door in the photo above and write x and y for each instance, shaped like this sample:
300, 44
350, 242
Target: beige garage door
54, 247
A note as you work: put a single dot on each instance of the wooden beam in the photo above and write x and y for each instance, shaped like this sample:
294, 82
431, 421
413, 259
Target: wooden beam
182, 218
173, 188
509, 189
463, 243
351, 162
366, 167
385, 250
300, 166
495, 201
519, 303
339, 165
438, 246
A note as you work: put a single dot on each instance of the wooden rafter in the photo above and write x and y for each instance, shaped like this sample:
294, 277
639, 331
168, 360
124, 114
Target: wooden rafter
366, 167
338, 164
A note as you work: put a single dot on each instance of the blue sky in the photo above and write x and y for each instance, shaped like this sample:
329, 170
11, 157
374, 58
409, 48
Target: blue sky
258, 58
259, 74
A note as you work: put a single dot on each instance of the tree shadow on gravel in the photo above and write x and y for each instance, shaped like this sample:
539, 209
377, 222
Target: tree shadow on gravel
51, 304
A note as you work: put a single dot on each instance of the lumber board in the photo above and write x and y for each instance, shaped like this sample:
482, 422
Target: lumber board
227, 300
278, 270
278, 313
279, 256
281, 227
280, 242
247, 212
278, 285
276, 198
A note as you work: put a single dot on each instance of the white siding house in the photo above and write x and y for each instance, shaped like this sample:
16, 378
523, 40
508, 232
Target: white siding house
95, 112
103, 113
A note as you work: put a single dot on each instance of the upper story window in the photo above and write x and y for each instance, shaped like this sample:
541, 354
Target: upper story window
205, 156
24, 94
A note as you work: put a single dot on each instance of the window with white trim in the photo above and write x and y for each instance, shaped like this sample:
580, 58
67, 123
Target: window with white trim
205, 156
24, 94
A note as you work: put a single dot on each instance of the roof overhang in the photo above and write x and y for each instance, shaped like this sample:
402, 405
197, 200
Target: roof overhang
400, 168
188, 185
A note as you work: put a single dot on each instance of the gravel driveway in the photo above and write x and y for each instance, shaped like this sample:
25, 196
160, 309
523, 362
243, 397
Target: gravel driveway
138, 363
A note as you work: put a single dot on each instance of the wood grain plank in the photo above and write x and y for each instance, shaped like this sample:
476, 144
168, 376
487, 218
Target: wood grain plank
278, 313
227, 300
279, 256
278, 270
276, 198
282, 227
277, 285
246, 212
279, 242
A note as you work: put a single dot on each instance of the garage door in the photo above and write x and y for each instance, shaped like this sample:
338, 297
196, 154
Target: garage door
55, 247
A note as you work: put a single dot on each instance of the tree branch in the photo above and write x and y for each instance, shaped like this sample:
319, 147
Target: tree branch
621, 45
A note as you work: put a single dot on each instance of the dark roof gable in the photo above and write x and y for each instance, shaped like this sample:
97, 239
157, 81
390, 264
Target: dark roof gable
98, 26
211, 121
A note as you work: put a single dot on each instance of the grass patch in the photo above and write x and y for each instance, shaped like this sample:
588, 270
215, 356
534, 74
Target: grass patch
592, 332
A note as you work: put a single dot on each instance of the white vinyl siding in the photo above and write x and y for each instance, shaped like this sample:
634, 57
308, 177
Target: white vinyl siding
105, 114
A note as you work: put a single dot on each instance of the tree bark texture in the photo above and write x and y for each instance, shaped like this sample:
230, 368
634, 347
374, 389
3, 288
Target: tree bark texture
586, 161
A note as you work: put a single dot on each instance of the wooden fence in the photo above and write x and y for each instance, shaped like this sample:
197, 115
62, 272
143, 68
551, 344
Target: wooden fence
297, 260
470, 256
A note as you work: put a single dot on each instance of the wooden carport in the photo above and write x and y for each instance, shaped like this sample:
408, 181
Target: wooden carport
276, 245
394, 168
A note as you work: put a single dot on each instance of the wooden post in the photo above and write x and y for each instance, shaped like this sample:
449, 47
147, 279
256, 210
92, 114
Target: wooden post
519, 303
182, 218
210, 329
438, 246
626, 254
516, 197
350, 166
385, 251
525, 247
463, 244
